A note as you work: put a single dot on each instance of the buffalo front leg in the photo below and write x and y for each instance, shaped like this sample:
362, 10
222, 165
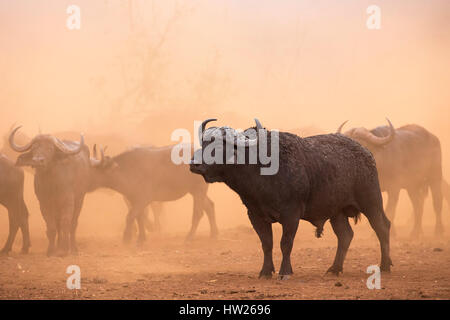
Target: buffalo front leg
65, 227
196, 216
417, 197
50, 221
208, 206
141, 220
73, 228
286, 244
134, 214
344, 233
264, 231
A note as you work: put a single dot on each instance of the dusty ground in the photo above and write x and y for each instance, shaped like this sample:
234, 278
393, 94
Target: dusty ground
168, 268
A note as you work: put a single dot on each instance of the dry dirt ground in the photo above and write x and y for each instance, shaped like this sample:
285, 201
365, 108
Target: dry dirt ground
168, 268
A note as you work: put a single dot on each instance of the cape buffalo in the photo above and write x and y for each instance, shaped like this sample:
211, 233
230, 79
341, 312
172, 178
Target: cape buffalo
408, 158
60, 184
319, 178
115, 143
147, 174
11, 196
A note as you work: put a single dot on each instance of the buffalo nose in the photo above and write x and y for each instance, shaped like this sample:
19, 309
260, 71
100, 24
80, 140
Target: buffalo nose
39, 160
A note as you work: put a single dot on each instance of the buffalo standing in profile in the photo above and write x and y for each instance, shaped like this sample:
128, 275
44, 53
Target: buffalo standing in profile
11, 196
408, 158
147, 174
60, 184
320, 178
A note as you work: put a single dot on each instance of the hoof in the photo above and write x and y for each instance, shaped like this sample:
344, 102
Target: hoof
214, 236
25, 250
265, 275
284, 277
416, 234
439, 231
335, 270
126, 240
62, 254
140, 244
4, 252
386, 269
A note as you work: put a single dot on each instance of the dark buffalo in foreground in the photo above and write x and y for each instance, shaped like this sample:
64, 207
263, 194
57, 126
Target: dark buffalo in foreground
60, 184
11, 197
408, 158
147, 174
319, 178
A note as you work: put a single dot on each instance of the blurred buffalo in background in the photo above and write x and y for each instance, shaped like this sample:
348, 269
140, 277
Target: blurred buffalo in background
408, 158
11, 197
144, 175
60, 184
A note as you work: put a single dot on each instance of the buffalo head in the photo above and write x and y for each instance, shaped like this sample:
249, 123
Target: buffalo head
369, 139
43, 149
226, 138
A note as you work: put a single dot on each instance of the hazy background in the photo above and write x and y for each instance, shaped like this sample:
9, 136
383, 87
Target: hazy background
141, 69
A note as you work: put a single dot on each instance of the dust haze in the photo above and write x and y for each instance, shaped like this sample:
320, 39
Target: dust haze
141, 69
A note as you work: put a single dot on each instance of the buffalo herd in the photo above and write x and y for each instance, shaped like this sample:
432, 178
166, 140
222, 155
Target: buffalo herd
319, 178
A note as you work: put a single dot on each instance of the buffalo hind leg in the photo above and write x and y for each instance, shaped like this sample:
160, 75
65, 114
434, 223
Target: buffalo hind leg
157, 208
13, 228
381, 225
264, 231
287, 241
417, 196
391, 207
344, 233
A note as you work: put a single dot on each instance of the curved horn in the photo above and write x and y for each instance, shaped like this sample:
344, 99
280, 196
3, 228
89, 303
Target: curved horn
202, 127
64, 148
14, 146
258, 124
380, 141
339, 130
